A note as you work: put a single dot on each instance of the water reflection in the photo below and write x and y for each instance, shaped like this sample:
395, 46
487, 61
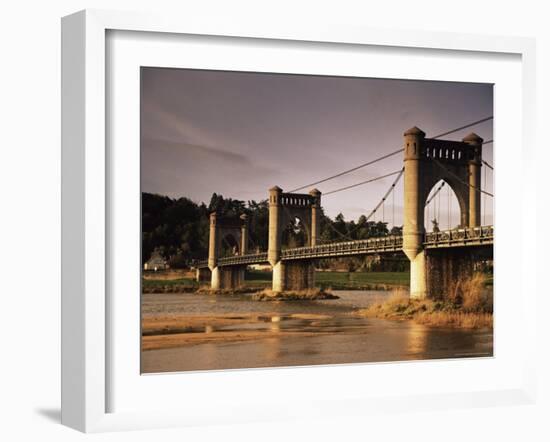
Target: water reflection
275, 325
241, 333
417, 338
273, 351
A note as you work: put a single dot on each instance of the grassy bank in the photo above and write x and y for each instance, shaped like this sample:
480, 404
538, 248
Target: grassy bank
259, 279
362, 280
181, 285
469, 305
344, 280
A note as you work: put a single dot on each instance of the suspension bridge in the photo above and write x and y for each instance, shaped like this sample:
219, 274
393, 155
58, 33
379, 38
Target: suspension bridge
438, 259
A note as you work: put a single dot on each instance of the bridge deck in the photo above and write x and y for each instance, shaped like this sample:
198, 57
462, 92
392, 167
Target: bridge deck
476, 236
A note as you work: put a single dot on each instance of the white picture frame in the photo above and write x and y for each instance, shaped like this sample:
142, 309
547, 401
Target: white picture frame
86, 356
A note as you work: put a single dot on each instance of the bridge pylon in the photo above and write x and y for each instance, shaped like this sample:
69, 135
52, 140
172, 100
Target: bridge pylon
229, 277
283, 209
426, 162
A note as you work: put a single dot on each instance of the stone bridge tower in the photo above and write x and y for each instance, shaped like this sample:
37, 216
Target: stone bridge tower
220, 230
283, 208
427, 161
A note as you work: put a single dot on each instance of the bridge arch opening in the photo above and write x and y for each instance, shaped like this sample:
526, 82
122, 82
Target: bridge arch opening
295, 233
230, 246
444, 209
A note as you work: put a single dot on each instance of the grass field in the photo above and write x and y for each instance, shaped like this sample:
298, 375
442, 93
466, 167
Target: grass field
324, 280
343, 280
169, 282
334, 280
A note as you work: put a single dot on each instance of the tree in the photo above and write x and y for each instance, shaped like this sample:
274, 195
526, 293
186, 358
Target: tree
396, 230
340, 224
180, 228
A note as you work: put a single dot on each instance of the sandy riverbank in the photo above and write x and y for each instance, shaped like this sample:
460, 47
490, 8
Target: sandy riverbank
167, 331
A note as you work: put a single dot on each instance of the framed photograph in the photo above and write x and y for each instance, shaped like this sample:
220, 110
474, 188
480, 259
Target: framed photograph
286, 222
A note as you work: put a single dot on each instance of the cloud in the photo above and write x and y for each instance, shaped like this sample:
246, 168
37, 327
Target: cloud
159, 123
196, 150
241, 133
181, 169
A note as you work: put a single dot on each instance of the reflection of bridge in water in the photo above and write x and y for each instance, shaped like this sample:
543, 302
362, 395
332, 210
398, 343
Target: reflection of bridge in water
439, 260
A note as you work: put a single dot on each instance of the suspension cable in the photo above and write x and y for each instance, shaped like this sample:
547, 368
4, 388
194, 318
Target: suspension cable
353, 169
439, 208
461, 180
448, 208
465, 127
343, 235
362, 182
435, 193
381, 203
432, 198
484, 200
349, 170
373, 212
393, 208
485, 162
392, 187
427, 211
229, 246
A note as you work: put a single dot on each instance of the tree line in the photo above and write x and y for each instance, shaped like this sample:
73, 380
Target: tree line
178, 228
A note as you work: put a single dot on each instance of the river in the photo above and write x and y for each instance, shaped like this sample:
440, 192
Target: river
227, 332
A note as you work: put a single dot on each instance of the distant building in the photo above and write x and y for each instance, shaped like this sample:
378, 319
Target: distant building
156, 262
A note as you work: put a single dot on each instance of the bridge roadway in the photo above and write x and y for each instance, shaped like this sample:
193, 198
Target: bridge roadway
468, 237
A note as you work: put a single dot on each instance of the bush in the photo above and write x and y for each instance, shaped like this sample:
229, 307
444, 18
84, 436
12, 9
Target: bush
468, 306
475, 298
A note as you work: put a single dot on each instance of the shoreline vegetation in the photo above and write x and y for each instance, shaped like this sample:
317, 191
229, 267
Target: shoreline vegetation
469, 305
179, 281
300, 295
184, 282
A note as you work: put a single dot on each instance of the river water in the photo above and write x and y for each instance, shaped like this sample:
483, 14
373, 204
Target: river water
275, 334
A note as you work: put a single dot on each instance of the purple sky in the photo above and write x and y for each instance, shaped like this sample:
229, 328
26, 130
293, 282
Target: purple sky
239, 134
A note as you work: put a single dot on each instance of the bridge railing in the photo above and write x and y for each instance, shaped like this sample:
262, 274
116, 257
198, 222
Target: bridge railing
391, 243
458, 237
381, 244
251, 258
199, 263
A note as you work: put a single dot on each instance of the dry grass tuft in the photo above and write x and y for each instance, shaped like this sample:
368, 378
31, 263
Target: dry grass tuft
455, 319
468, 306
474, 296
297, 295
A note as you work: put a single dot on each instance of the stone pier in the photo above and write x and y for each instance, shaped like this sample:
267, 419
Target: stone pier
203, 274
293, 276
447, 270
228, 277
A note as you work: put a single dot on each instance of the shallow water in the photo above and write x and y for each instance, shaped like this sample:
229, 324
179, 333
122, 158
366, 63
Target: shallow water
302, 333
